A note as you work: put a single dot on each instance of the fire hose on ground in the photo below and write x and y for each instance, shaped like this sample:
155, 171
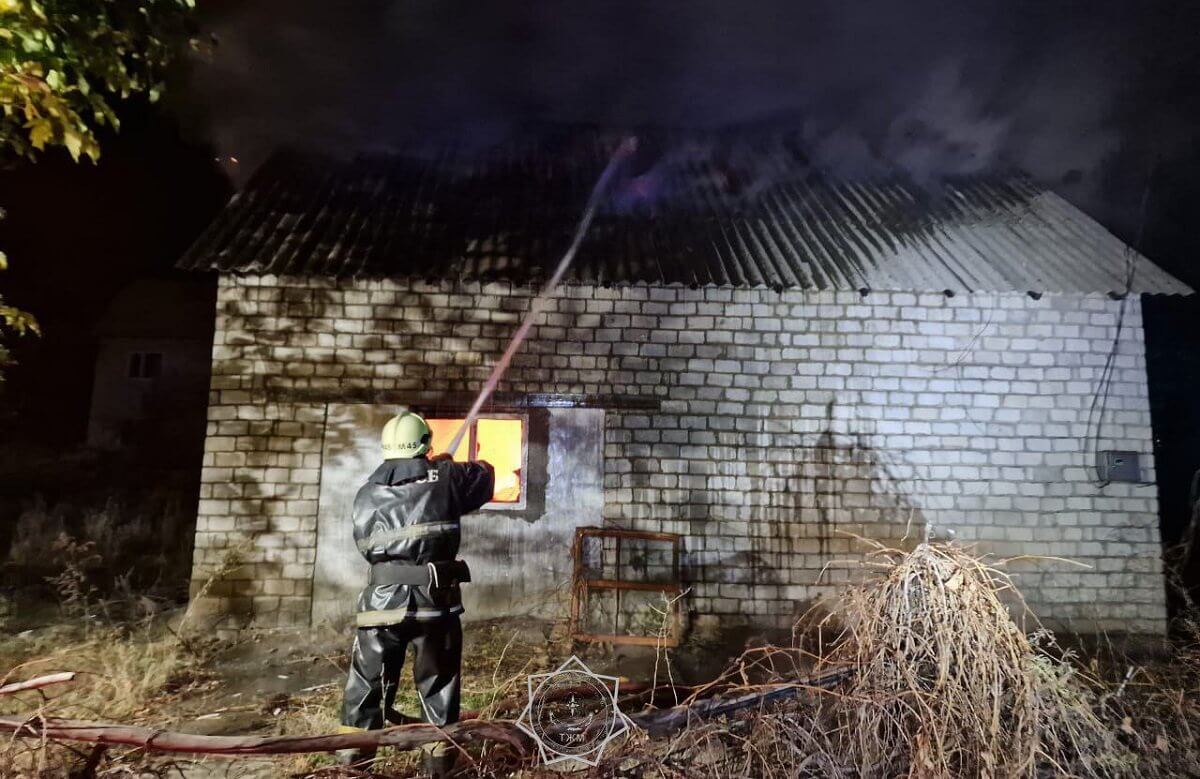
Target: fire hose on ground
654, 722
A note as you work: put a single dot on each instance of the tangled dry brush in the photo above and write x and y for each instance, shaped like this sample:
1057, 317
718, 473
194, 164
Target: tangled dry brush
944, 684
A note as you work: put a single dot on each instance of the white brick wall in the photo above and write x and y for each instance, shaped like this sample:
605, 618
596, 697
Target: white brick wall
784, 423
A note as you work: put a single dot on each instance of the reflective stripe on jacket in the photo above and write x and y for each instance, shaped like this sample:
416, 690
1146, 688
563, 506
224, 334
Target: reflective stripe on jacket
409, 511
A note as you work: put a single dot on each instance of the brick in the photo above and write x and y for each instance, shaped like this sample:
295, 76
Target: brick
781, 417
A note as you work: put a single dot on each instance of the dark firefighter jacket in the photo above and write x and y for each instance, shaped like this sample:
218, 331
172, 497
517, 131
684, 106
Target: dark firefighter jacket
409, 511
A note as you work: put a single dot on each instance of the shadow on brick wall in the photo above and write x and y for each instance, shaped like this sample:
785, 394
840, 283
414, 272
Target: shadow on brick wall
819, 504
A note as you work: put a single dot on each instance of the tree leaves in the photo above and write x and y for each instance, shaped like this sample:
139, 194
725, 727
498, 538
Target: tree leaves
64, 62
41, 132
18, 321
73, 141
13, 320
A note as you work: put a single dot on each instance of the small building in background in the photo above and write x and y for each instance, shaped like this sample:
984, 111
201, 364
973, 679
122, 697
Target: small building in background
153, 361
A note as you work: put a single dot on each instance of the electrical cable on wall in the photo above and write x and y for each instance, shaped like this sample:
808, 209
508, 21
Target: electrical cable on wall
1099, 405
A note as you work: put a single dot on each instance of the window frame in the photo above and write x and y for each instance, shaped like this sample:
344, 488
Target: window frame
469, 442
137, 362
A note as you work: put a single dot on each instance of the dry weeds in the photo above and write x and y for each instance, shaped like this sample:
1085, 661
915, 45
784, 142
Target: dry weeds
126, 674
946, 685
144, 539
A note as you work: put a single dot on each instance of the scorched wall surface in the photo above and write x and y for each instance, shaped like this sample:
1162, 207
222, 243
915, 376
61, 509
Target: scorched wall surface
768, 428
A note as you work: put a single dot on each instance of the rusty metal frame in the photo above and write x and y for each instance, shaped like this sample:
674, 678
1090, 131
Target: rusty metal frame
582, 587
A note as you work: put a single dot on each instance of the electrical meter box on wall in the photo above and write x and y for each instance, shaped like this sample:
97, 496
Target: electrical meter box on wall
1119, 466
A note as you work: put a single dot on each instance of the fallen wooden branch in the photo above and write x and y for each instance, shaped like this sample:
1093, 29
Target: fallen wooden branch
38, 683
666, 720
402, 737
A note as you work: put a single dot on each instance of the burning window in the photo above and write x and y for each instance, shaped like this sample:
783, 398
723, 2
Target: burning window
496, 440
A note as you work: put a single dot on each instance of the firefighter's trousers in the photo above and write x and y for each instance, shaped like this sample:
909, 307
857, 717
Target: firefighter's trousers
377, 658
375, 663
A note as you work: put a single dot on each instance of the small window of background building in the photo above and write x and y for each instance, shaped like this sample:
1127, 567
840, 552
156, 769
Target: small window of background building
145, 365
500, 441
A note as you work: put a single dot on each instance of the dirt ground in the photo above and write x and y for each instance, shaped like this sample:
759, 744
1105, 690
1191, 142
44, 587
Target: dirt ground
141, 663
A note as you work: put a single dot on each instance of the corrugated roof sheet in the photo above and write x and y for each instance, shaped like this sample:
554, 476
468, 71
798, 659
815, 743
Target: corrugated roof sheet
758, 216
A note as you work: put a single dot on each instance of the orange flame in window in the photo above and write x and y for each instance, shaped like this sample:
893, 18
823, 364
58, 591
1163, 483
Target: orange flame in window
499, 442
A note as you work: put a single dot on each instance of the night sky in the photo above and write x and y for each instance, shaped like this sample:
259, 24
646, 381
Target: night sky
1086, 96
1095, 99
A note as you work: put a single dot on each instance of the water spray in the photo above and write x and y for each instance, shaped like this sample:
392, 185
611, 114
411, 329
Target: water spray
627, 148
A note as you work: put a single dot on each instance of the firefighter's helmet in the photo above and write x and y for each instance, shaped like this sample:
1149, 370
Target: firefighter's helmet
406, 435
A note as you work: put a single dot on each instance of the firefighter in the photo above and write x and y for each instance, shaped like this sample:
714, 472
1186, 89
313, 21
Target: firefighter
406, 524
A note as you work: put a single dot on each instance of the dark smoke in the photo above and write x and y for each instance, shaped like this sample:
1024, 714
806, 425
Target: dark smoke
1084, 96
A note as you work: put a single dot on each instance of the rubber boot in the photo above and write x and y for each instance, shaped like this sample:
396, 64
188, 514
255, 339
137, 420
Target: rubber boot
439, 760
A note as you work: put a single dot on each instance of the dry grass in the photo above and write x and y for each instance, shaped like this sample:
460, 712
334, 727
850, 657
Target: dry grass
128, 674
131, 667
145, 540
120, 672
1155, 708
947, 685
944, 681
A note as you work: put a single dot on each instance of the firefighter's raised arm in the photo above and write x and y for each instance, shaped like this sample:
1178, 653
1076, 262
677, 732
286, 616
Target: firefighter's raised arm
474, 484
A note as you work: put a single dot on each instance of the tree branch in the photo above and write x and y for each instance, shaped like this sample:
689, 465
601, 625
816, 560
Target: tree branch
39, 682
403, 737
